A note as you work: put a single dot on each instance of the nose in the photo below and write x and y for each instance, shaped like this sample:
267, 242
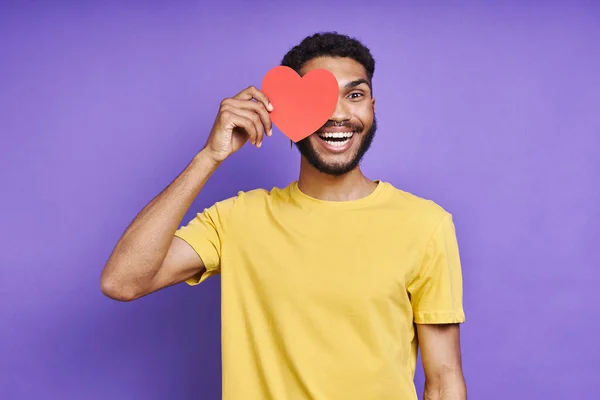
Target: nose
341, 113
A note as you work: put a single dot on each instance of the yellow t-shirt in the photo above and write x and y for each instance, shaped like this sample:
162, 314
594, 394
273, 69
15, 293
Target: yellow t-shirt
318, 298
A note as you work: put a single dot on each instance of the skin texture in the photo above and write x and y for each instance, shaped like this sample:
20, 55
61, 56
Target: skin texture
441, 356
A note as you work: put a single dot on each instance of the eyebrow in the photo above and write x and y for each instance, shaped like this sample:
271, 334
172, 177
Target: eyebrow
357, 82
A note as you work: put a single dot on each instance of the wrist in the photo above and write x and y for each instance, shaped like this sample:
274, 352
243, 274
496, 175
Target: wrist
207, 159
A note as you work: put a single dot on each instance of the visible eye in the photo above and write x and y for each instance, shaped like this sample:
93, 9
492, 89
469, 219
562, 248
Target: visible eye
355, 95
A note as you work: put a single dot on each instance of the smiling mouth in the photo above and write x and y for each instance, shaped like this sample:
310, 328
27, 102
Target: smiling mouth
336, 139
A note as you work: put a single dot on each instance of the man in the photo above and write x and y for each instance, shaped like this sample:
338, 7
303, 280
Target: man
326, 283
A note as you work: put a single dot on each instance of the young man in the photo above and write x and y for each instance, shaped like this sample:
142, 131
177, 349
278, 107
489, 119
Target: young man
326, 283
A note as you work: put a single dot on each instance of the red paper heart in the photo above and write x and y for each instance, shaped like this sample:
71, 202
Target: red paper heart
301, 105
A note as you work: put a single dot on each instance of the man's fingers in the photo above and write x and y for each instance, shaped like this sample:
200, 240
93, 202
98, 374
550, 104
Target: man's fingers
254, 118
253, 93
235, 119
258, 108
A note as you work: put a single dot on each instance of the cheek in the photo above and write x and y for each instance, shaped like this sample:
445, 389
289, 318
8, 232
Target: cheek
364, 112
365, 118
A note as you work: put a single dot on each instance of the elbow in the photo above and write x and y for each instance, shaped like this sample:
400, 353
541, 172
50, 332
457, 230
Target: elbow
113, 289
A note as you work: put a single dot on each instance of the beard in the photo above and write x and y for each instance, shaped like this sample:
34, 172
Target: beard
307, 149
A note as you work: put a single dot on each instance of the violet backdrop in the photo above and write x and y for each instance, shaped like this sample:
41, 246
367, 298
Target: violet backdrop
491, 109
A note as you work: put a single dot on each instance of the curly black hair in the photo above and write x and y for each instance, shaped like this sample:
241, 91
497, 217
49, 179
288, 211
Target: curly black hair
330, 44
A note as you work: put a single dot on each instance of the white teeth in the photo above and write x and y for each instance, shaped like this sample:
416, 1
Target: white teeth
336, 144
337, 134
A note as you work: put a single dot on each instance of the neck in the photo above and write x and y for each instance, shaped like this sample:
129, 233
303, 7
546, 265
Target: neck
351, 186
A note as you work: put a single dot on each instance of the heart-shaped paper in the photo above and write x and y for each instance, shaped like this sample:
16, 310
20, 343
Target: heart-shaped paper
301, 105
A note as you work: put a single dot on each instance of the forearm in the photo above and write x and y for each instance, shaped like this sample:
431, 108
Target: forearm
141, 250
451, 387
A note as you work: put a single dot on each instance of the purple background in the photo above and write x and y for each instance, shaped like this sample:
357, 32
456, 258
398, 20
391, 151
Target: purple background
492, 109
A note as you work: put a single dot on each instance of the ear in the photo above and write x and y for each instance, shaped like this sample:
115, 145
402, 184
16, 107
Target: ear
373, 103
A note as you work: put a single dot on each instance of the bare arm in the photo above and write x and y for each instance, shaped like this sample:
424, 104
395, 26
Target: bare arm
149, 256
440, 354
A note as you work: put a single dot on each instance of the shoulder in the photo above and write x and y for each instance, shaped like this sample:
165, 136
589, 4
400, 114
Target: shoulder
420, 210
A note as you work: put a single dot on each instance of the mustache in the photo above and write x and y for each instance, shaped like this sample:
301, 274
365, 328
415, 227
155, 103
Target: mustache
344, 124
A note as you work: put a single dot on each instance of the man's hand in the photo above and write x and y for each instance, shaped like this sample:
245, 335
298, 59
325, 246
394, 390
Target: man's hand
440, 354
242, 117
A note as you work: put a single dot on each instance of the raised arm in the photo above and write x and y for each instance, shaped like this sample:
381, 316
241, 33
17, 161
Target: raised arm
149, 256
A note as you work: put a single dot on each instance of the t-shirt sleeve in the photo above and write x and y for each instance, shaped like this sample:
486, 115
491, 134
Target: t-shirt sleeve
436, 288
204, 233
